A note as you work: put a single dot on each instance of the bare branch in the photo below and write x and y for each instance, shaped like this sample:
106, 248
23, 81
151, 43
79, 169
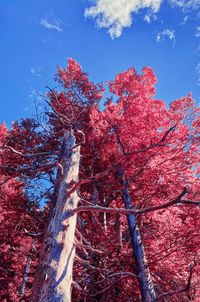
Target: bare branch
87, 263
189, 202
50, 153
34, 235
5, 181
129, 211
60, 115
152, 145
119, 274
164, 205
88, 247
102, 209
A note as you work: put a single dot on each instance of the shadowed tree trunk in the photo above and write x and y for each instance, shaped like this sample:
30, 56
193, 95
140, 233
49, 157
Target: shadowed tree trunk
146, 284
54, 274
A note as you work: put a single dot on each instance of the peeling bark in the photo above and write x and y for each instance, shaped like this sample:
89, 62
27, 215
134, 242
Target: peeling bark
146, 284
54, 275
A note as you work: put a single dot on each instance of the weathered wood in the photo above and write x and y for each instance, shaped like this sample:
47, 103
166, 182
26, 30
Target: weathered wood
146, 284
54, 275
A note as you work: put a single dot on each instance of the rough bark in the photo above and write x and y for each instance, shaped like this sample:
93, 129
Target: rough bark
146, 284
54, 275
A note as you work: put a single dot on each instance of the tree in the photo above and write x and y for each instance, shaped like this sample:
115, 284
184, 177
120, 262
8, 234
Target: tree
158, 150
19, 225
136, 158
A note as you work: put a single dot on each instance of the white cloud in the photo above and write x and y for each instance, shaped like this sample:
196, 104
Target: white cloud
36, 71
149, 17
116, 15
166, 33
52, 23
186, 4
198, 32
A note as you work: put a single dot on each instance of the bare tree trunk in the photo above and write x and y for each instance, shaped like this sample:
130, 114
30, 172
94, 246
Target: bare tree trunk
105, 222
54, 275
146, 284
27, 268
118, 229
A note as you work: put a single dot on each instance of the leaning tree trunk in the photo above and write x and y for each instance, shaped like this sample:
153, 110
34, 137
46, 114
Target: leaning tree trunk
146, 284
54, 275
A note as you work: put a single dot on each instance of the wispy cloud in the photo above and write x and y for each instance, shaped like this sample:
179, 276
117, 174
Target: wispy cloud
185, 4
197, 32
149, 17
198, 73
116, 15
166, 34
185, 20
35, 70
52, 23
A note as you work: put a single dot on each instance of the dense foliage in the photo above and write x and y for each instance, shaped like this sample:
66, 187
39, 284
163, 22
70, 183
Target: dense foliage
156, 149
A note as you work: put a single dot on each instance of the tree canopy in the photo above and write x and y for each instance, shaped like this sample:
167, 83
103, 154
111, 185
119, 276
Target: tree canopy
137, 191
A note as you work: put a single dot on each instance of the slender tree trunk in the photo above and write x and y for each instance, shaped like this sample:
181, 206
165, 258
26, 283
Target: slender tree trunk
145, 281
54, 275
27, 268
118, 229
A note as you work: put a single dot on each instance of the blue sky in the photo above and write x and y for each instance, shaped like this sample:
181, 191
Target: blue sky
104, 36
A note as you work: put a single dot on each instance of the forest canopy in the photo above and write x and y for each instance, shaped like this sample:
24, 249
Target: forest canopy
120, 190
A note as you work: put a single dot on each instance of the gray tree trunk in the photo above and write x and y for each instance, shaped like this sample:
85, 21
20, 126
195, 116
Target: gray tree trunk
146, 284
54, 275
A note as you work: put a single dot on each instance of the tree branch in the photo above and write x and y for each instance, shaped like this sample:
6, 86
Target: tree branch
34, 235
27, 168
129, 211
152, 145
50, 153
164, 205
88, 247
123, 274
189, 202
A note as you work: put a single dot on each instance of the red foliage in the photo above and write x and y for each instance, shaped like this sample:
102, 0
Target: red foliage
16, 220
156, 146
